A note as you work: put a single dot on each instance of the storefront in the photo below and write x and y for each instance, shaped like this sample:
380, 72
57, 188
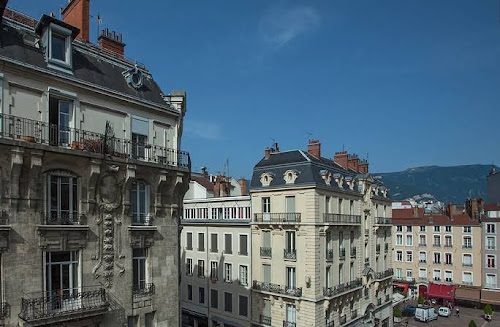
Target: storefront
443, 294
468, 296
491, 297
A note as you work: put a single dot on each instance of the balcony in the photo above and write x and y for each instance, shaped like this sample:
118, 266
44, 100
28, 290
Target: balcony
52, 307
353, 252
279, 289
342, 254
33, 131
290, 254
266, 252
342, 288
329, 254
383, 221
384, 274
265, 320
143, 290
142, 220
278, 218
289, 324
341, 219
63, 218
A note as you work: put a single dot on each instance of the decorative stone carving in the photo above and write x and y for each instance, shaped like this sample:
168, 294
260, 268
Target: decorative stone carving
290, 176
326, 175
62, 238
266, 179
142, 236
339, 179
350, 182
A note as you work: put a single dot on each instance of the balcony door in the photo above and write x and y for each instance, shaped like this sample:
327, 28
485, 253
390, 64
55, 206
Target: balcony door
266, 209
291, 278
62, 196
291, 314
62, 280
290, 241
60, 116
140, 133
290, 208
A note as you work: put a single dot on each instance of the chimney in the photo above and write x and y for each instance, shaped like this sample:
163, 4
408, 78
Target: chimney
363, 167
76, 13
243, 185
112, 41
340, 158
353, 162
267, 153
314, 148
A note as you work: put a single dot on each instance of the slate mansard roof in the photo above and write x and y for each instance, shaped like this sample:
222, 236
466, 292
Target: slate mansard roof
309, 172
91, 64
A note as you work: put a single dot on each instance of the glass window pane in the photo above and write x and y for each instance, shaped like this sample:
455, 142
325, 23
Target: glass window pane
58, 46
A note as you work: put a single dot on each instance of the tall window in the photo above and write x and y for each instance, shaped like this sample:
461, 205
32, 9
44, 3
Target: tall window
201, 242
139, 199
189, 241
214, 298
437, 240
62, 273
437, 257
243, 245
399, 239
190, 292
228, 272
290, 278
490, 261
60, 116
422, 257
243, 305
214, 243
448, 258
228, 243
399, 256
409, 256
409, 240
266, 273
436, 274
189, 266
201, 268
290, 204
467, 242
467, 260
291, 314
62, 199
448, 276
447, 241
214, 270
244, 275
139, 256
266, 208
201, 295
140, 131
490, 242
228, 302
290, 241
422, 240
327, 204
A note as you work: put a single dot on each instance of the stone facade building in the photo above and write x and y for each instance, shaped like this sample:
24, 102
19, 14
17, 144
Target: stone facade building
91, 178
490, 294
216, 253
321, 241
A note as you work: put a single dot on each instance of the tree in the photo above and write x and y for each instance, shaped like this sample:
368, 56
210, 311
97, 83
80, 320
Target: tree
421, 299
488, 310
397, 312
472, 323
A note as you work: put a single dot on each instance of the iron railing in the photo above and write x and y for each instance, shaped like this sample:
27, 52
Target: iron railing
289, 324
266, 320
384, 274
63, 218
33, 131
278, 217
290, 254
341, 219
4, 310
143, 289
139, 219
329, 254
60, 303
383, 221
342, 288
276, 288
266, 252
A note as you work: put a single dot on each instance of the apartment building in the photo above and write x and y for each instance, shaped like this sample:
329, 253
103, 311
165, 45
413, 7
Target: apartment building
216, 253
91, 178
490, 292
438, 249
321, 240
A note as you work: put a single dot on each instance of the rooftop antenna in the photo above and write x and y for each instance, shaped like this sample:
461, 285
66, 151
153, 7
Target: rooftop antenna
99, 23
309, 136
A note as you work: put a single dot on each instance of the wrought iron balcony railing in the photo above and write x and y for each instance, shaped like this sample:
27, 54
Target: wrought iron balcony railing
383, 221
142, 219
289, 324
33, 131
266, 252
63, 218
329, 254
62, 303
290, 254
384, 274
143, 289
277, 217
276, 288
266, 320
342, 288
342, 219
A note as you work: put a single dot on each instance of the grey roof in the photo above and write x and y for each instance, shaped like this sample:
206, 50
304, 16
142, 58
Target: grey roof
88, 64
309, 168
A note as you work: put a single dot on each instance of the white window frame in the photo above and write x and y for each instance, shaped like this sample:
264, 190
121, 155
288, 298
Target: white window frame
239, 244
471, 241
494, 242
397, 259
228, 272
471, 258
494, 227
494, 261
471, 276
66, 33
411, 254
399, 243
451, 273
243, 281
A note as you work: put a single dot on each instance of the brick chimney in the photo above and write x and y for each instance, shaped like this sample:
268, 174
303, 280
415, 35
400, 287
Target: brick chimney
77, 13
363, 167
353, 162
340, 158
243, 185
314, 148
112, 41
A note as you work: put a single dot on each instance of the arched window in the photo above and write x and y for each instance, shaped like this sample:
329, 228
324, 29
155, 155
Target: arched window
62, 198
139, 199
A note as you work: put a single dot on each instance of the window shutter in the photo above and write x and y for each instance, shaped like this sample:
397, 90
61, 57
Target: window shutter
140, 126
243, 245
228, 243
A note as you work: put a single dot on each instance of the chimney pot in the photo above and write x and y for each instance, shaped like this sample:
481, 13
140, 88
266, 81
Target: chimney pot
111, 41
314, 148
341, 159
77, 13
243, 185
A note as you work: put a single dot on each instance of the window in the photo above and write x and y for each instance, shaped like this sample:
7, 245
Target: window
399, 239
399, 273
139, 257
228, 272
266, 273
422, 228
437, 228
291, 315
140, 132
139, 199
437, 257
289, 204
228, 243
437, 241
266, 208
243, 306
149, 319
447, 229
228, 302
409, 275
490, 228
467, 260
422, 257
62, 195
201, 295
214, 270
409, 256
399, 256
213, 243
59, 47
201, 268
422, 273
490, 243
201, 242
490, 261
189, 267
422, 240
267, 308
132, 321
290, 278
341, 205
243, 245
409, 240
327, 204
62, 273
467, 242
399, 228
408, 229
491, 280
436, 274
190, 292
448, 258
328, 276
189, 241
244, 275
467, 229
447, 241
290, 241
214, 298
467, 278
448, 276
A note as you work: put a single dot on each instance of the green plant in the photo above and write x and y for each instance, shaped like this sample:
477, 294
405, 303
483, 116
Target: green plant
472, 323
421, 299
488, 310
397, 312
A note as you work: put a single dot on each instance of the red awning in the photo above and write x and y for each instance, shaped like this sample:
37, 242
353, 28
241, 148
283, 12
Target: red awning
400, 285
441, 291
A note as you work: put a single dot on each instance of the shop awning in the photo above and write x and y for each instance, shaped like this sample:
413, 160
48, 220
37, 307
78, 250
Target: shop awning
441, 291
468, 293
490, 296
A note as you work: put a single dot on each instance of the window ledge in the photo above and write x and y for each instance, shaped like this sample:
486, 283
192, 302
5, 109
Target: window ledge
138, 228
62, 227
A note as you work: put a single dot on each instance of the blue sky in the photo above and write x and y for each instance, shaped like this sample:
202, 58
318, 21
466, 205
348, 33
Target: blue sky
409, 82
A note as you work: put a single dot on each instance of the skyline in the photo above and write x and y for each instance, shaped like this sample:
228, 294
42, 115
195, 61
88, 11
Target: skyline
429, 92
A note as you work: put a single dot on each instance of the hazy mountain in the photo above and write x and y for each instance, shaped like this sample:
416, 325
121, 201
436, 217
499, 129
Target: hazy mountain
446, 184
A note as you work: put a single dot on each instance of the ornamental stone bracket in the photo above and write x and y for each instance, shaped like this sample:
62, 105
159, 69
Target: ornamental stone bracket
94, 174
142, 236
62, 237
35, 192
15, 173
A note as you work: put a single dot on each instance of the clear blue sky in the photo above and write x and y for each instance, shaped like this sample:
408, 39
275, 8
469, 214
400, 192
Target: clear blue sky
410, 82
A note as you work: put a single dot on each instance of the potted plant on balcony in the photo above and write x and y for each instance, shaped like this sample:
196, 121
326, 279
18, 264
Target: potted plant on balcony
398, 314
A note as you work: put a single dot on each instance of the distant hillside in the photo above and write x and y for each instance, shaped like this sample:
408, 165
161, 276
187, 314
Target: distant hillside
446, 184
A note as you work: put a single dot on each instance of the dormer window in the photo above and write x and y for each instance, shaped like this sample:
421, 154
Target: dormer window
59, 51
